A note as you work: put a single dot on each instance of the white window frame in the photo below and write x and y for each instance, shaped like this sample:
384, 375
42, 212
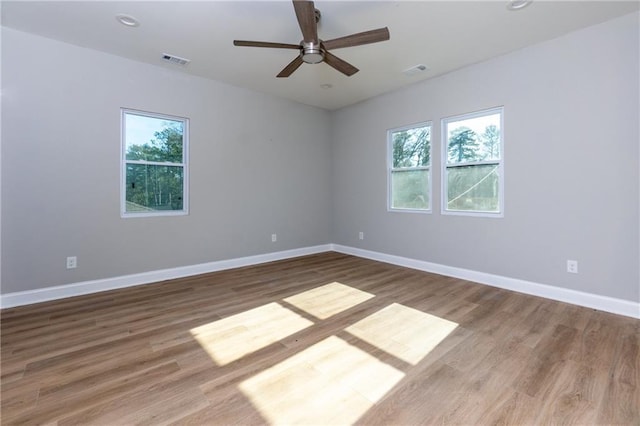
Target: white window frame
123, 164
445, 164
391, 169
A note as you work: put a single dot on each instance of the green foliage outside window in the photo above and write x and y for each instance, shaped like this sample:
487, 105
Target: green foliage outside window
411, 157
473, 164
154, 166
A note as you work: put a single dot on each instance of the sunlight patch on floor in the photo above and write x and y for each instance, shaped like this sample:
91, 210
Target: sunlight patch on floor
328, 300
406, 333
331, 382
231, 338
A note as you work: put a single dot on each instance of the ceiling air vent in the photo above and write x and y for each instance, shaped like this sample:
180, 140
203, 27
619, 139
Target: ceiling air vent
175, 59
417, 69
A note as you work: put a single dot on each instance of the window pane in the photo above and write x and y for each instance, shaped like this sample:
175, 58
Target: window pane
473, 188
411, 147
474, 139
150, 188
410, 189
153, 139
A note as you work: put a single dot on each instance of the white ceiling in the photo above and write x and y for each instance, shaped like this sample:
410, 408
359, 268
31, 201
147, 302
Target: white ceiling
444, 35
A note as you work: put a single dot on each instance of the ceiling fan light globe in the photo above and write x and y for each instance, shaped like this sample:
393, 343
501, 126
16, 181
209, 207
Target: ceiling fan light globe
312, 57
311, 52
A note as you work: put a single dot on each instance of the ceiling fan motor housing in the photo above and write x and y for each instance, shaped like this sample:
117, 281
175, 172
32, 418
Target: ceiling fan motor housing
311, 52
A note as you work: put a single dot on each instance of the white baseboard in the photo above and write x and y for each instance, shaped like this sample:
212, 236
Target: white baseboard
589, 300
603, 303
28, 297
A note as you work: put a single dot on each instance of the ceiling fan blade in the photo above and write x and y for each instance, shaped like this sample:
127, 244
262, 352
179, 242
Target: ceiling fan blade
289, 69
344, 67
366, 37
265, 44
306, 14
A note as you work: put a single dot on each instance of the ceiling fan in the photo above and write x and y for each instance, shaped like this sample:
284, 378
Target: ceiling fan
312, 49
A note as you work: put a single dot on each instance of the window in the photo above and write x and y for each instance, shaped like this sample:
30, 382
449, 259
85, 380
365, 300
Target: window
473, 164
410, 168
154, 164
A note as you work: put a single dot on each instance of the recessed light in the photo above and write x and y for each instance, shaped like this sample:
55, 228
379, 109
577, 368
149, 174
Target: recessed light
127, 20
518, 4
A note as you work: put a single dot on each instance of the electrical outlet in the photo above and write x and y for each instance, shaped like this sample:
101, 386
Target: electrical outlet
274, 238
572, 266
361, 235
72, 262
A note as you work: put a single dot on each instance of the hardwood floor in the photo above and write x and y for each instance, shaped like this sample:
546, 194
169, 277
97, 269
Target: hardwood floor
321, 339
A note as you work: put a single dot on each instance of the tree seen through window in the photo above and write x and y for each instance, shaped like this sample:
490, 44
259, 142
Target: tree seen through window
410, 168
473, 162
154, 164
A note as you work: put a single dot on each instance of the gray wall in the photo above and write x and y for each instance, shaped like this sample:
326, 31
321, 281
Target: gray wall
259, 165
571, 165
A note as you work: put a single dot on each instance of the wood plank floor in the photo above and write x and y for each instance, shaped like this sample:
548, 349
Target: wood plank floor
323, 339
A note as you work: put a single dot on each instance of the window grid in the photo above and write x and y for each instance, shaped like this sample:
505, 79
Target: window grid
164, 181
409, 186
477, 183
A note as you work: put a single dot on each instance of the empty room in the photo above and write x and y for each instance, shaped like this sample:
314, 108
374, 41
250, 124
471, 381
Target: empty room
347, 212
